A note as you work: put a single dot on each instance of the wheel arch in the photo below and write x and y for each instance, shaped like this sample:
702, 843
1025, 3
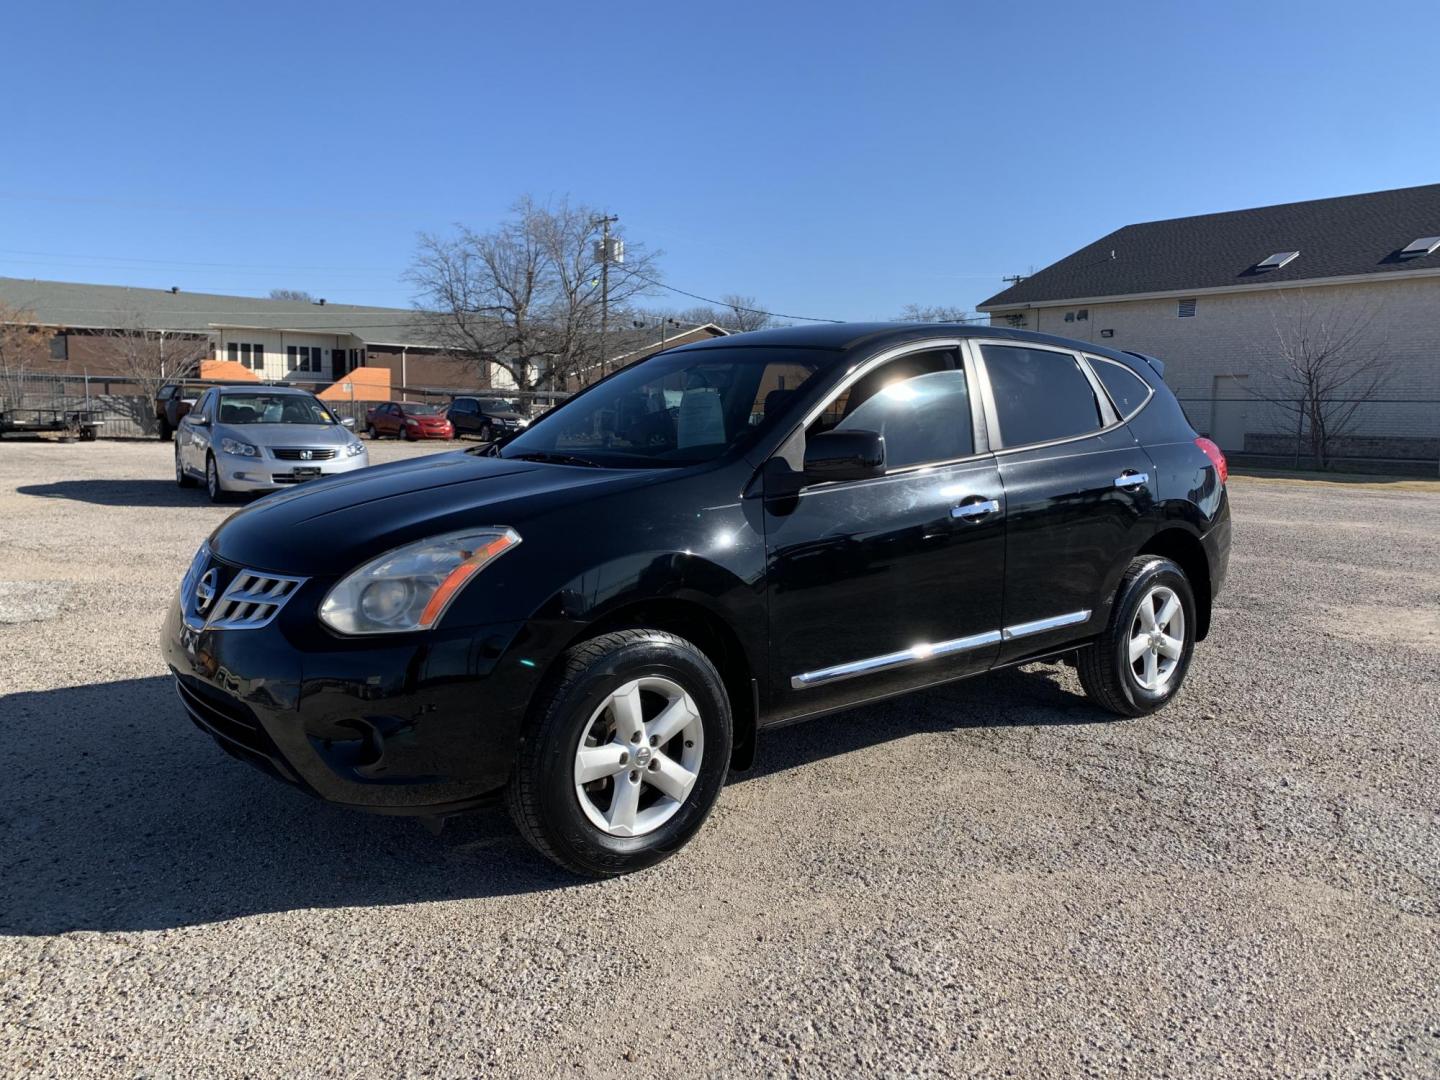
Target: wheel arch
1184, 548
713, 634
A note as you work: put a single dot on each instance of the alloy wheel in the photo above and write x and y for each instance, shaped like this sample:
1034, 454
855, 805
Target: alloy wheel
639, 757
1157, 638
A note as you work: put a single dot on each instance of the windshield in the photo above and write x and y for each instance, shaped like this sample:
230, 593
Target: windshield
413, 409
262, 408
679, 408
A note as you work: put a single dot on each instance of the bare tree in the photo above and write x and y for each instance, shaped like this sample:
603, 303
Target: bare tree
932, 313
738, 314
148, 359
21, 347
1329, 360
291, 294
525, 296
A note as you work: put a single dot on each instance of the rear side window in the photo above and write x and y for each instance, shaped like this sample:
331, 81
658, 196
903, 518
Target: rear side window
1040, 395
1126, 389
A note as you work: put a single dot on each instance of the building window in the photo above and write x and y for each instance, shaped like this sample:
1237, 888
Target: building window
60, 347
246, 354
302, 358
1185, 309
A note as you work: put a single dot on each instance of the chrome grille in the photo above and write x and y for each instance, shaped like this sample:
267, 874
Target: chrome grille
299, 453
252, 600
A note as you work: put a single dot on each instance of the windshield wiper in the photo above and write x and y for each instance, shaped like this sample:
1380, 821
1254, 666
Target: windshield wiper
555, 459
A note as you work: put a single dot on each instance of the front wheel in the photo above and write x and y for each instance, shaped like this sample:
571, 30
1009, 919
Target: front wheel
1139, 662
213, 487
182, 478
626, 754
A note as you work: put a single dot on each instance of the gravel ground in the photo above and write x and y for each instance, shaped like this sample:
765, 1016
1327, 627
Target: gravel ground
990, 878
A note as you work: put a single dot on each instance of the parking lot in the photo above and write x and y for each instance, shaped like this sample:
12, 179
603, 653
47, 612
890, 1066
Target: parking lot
990, 876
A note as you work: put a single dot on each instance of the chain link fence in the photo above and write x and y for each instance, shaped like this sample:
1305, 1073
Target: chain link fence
1379, 434
128, 412
1390, 434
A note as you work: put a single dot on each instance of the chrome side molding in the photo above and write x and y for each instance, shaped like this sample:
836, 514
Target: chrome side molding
926, 650
1039, 626
912, 655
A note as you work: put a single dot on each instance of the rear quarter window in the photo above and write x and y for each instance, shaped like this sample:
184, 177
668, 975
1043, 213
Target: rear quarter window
1126, 389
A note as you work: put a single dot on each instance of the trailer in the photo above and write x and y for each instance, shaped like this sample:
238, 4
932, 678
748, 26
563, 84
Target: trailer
82, 424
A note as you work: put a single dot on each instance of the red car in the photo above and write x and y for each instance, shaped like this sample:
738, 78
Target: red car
408, 420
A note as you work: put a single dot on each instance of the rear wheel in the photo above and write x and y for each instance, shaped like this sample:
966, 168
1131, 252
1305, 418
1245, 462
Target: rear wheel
163, 430
1140, 661
626, 756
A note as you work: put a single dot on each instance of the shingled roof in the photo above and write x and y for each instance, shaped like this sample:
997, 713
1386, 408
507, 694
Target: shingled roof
1348, 236
80, 306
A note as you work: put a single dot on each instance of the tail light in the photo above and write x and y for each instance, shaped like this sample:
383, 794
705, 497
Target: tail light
1216, 456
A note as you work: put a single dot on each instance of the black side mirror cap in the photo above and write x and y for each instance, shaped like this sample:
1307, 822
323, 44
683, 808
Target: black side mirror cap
853, 454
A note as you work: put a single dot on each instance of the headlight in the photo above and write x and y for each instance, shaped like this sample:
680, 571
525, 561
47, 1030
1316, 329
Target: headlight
354, 449
238, 448
411, 587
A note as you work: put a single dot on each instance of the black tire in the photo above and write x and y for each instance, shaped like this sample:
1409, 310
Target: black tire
407, 434
164, 431
182, 478
1109, 678
487, 434
370, 431
213, 485
542, 795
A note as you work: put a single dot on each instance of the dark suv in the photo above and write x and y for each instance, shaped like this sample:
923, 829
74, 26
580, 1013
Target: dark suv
597, 616
485, 418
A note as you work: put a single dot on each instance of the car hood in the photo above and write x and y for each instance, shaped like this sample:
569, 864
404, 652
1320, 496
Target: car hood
314, 435
328, 527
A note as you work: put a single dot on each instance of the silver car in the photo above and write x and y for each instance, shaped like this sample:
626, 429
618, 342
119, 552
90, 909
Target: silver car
262, 438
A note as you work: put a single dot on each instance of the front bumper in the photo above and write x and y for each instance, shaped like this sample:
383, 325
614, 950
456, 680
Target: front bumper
265, 473
422, 724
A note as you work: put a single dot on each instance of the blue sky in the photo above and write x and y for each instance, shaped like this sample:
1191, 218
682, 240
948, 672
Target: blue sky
832, 159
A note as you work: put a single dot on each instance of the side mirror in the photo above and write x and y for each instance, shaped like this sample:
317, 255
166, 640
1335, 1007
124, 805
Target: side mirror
198, 421
844, 455
348, 421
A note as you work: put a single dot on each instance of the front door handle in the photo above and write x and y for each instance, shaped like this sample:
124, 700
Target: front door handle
1132, 479
972, 511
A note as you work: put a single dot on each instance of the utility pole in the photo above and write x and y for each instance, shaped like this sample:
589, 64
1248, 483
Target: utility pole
606, 252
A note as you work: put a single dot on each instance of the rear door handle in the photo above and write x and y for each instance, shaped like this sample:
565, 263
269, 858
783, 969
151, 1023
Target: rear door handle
970, 511
1132, 479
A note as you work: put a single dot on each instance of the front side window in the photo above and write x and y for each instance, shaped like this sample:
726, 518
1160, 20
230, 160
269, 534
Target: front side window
678, 408
262, 408
920, 403
1040, 394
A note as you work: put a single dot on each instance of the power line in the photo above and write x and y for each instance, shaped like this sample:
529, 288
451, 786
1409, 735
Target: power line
733, 307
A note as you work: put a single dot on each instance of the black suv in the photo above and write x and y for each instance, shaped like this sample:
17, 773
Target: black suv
597, 616
486, 418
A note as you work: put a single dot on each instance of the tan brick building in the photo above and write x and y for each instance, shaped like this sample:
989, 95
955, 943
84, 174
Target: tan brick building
1221, 298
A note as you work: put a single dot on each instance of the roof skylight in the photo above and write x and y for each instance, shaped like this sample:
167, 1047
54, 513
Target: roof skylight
1424, 246
1276, 261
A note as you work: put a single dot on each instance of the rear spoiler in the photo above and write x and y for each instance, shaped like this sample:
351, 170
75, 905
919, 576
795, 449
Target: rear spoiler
1154, 361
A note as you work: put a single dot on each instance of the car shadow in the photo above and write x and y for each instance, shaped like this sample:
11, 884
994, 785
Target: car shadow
118, 492
118, 815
